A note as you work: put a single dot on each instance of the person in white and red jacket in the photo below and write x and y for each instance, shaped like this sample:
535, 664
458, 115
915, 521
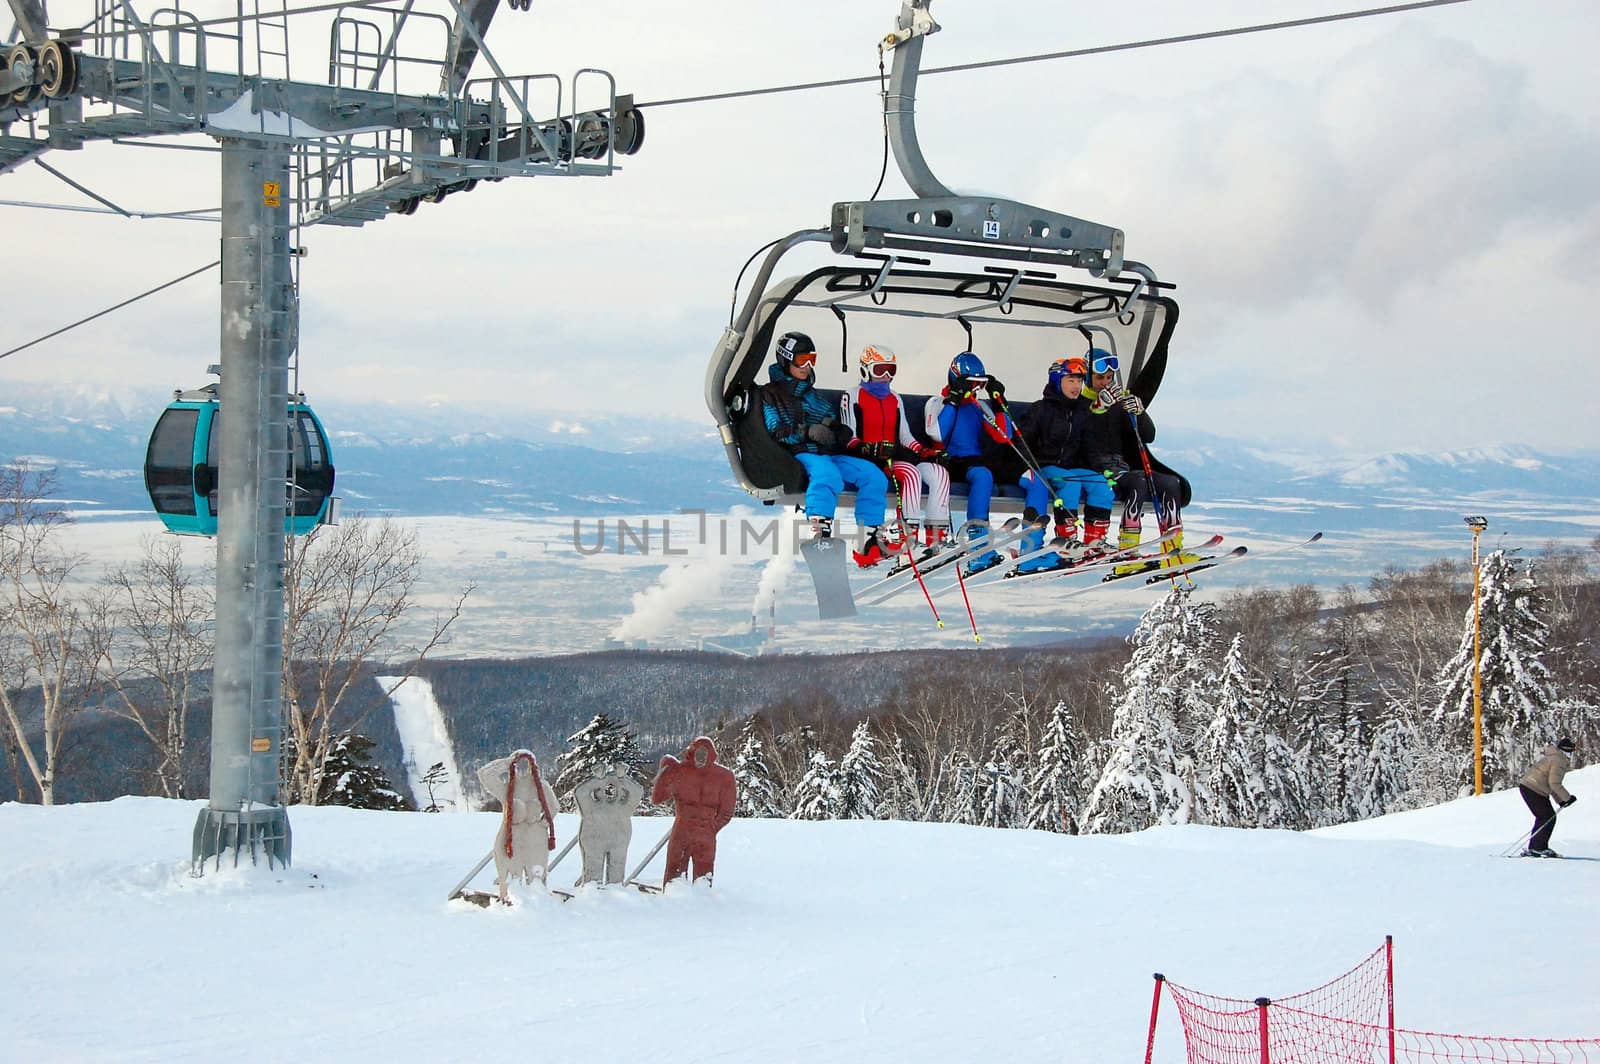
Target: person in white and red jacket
880, 433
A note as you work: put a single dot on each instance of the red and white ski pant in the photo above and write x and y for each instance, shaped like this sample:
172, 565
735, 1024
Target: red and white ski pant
911, 479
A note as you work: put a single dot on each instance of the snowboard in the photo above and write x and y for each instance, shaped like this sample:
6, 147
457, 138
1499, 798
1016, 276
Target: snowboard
828, 562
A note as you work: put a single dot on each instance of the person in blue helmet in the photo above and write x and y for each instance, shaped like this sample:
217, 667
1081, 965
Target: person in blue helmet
807, 425
964, 421
1055, 429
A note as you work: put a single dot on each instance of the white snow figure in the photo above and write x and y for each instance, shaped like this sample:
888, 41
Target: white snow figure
527, 829
606, 802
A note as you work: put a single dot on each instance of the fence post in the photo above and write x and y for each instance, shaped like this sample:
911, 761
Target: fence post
1155, 1005
1261, 1007
1388, 950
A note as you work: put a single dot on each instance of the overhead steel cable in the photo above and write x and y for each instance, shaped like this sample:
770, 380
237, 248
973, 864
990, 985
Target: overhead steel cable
1074, 53
108, 310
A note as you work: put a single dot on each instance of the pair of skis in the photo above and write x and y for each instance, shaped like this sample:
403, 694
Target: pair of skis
1149, 552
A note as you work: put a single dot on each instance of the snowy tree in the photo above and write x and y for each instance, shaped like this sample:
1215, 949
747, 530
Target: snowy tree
1518, 703
351, 778
597, 744
432, 780
1148, 776
1001, 799
758, 791
1387, 781
1055, 787
50, 641
904, 786
817, 796
860, 777
1249, 775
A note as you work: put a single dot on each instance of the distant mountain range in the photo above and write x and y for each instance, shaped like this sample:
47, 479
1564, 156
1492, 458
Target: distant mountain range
434, 459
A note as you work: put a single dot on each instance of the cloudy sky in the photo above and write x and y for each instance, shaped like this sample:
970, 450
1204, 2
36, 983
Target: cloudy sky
1377, 228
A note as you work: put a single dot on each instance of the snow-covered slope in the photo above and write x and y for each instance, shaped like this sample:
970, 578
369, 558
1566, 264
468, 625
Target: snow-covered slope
841, 941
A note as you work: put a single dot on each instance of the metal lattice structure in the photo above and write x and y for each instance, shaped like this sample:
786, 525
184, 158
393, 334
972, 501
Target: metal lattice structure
393, 120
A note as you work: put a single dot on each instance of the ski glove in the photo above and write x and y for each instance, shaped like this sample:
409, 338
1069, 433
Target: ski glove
930, 451
997, 391
1570, 799
1132, 404
820, 434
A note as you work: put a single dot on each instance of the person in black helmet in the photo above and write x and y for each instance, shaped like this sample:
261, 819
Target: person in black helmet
807, 425
1539, 786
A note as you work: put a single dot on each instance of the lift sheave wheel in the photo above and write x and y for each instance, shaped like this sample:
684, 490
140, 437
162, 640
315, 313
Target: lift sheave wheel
22, 55
56, 70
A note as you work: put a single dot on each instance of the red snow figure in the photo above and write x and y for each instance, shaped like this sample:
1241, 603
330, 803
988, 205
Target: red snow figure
527, 831
703, 795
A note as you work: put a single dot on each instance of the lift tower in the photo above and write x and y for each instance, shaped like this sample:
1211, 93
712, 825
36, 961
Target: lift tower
397, 122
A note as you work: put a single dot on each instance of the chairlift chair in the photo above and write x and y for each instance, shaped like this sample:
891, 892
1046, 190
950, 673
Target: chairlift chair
932, 277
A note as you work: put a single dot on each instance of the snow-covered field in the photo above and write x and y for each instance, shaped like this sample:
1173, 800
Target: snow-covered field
542, 587
838, 941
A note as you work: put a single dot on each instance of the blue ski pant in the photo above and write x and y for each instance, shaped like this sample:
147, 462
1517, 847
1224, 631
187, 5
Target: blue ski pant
979, 481
828, 474
1072, 486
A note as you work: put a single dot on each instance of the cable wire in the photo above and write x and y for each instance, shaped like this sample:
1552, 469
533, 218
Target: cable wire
1075, 53
108, 310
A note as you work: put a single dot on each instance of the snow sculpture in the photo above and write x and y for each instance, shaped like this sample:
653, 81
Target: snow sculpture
528, 827
703, 794
605, 805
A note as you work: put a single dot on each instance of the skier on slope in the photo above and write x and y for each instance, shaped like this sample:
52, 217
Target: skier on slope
1113, 446
704, 796
1542, 783
1055, 429
879, 432
527, 831
964, 421
806, 425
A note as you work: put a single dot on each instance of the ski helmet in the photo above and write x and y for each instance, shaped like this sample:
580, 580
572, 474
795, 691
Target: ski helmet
791, 344
966, 366
1072, 366
874, 356
1101, 360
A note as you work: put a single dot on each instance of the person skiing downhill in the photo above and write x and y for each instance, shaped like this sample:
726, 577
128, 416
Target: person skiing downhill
1539, 785
1055, 429
963, 422
807, 426
703, 794
1112, 444
879, 432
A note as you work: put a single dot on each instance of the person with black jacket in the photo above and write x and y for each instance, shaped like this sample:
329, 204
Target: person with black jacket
1055, 428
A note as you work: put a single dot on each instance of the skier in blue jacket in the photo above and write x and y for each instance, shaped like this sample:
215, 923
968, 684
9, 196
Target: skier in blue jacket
807, 425
964, 422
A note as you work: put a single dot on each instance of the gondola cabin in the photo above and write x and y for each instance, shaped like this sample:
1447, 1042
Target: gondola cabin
180, 466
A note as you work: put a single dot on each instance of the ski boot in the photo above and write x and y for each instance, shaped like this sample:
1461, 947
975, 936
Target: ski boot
876, 548
1128, 539
1094, 540
1172, 541
1545, 852
935, 537
977, 537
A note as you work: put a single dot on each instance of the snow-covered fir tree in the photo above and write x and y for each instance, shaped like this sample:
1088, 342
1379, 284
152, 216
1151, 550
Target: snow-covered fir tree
860, 777
1056, 784
1519, 718
1148, 776
601, 742
758, 791
817, 796
1001, 798
1386, 780
1249, 777
349, 777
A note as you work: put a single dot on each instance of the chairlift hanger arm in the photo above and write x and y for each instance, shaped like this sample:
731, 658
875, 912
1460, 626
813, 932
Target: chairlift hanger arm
939, 213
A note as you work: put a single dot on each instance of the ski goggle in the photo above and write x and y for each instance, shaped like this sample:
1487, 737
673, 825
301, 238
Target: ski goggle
1105, 364
805, 358
882, 371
